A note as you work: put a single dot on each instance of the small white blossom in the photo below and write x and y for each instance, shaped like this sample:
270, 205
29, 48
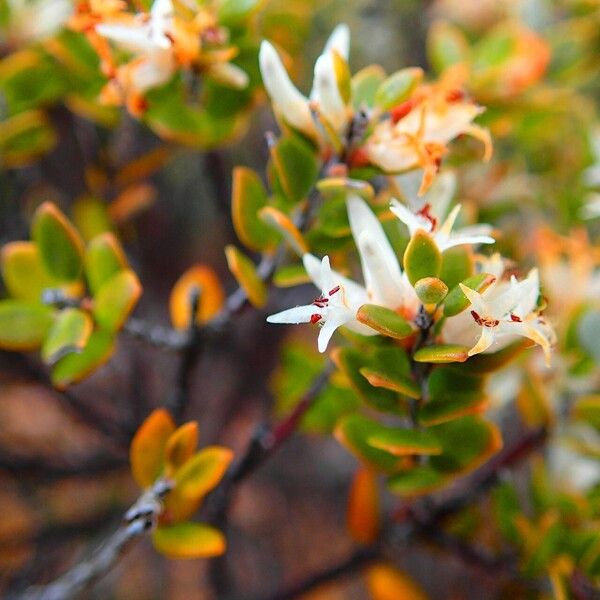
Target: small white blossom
340, 297
499, 315
37, 20
442, 234
325, 97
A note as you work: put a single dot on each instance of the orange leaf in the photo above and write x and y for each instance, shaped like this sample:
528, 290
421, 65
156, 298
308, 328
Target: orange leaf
148, 447
181, 445
362, 516
386, 582
212, 296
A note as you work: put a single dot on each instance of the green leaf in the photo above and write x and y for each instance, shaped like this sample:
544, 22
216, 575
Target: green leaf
69, 333
104, 258
281, 223
398, 87
456, 301
431, 290
24, 274
60, 246
353, 431
115, 300
405, 442
422, 257
234, 12
350, 361
75, 367
391, 380
248, 196
441, 353
189, 540
416, 481
384, 320
24, 137
365, 84
23, 325
457, 265
467, 443
446, 46
91, 217
290, 276
296, 167
244, 271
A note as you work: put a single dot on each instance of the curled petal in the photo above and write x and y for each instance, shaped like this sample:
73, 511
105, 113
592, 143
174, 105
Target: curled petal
339, 40
485, 341
327, 94
413, 221
459, 239
331, 324
477, 302
292, 105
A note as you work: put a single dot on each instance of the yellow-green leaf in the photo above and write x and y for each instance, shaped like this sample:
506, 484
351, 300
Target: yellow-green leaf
91, 217
69, 333
441, 353
189, 540
405, 442
280, 222
203, 471
391, 379
244, 271
23, 325
76, 366
147, 451
248, 196
431, 290
181, 445
398, 87
60, 246
384, 320
116, 299
24, 275
104, 258
422, 257
456, 301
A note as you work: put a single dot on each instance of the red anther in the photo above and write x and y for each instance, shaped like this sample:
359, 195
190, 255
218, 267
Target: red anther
335, 290
400, 111
515, 318
320, 302
477, 318
455, 95
315, 318
359, 158
425, 212
170, 37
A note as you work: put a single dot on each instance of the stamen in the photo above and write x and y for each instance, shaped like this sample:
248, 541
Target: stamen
399, 112
315, 318
515, 318
335, 290
455, 95
484, 321
425, 212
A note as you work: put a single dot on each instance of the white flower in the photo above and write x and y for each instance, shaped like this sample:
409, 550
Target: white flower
325, 97
32, 21
499, 315
340, 298
432, 209
150, 38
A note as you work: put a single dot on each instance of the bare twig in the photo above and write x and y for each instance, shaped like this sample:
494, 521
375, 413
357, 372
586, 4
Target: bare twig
139, 519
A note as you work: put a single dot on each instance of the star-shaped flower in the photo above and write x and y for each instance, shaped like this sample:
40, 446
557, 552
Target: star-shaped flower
504, 311
431, 212
340, 297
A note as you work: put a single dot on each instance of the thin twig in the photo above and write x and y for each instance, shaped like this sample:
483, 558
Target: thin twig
138, 520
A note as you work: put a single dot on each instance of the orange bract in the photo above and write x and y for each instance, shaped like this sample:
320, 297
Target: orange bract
363, 507
212, 296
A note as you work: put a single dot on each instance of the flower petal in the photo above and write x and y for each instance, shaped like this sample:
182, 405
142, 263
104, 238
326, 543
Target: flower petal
476, 300
298, 314
327, 94
292, 105
339, 40
411, 220
485, 341
334, 320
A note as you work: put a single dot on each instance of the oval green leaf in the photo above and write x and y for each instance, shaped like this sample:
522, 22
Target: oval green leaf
189, 540
116, 299
23, 325
69, 333
422, 257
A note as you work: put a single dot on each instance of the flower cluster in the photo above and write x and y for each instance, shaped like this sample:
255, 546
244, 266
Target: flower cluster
406, 124
158, 43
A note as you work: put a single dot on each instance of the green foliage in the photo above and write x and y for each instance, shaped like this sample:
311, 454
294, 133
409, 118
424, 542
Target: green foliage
422, 257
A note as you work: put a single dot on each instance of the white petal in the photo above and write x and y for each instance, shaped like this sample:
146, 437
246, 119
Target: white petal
411, 220
383, 285
477, 302
162, 9
361, 219
136, 38
485, 341
339, 40
298, 314
155, 70
538, 334
448, 224
355, 293
292, 105
528, 292
333, 321
444, 243
326, 93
